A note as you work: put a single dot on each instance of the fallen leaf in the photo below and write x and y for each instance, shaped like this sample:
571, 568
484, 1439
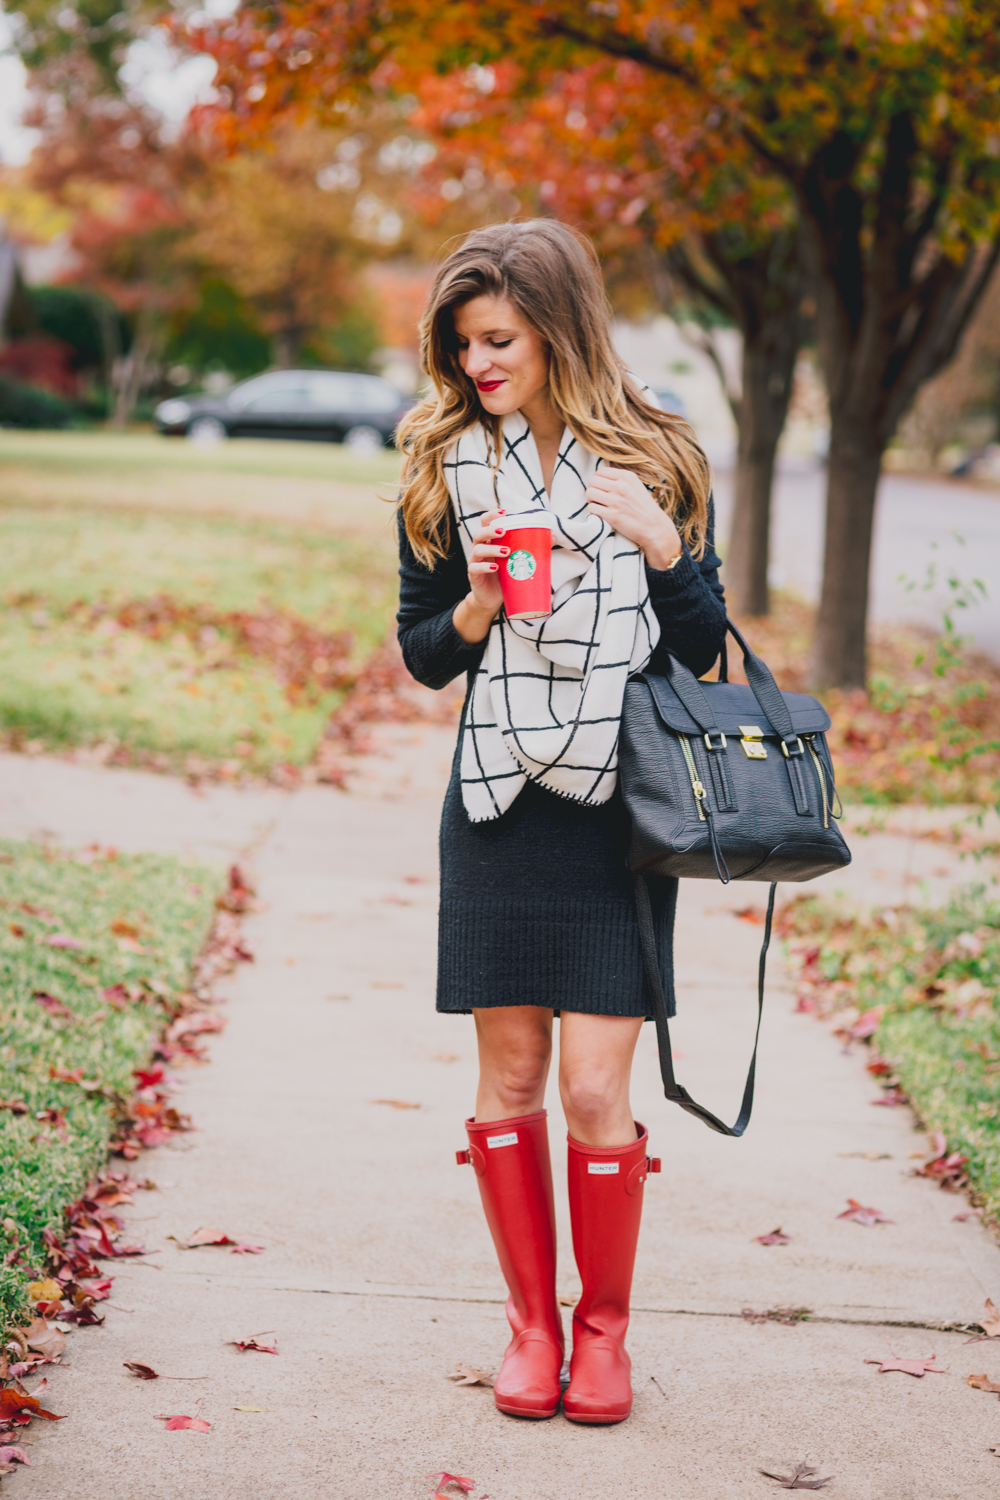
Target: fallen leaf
867, 1155
243, 1248
52, 1004
44, 1338
947, 1168
396, 1103
440, 1480
12, 1454
983, 1383
62, 940
862, 1215
990, 1321
16, 1106
799, 1478
185, 1424
44, 1291
918, 1367
144, 1372
207, 1237
970, 1213
776, 1237
253, 1408
14, 1405
751, 914
893, 1098
466, 1375
244, 1344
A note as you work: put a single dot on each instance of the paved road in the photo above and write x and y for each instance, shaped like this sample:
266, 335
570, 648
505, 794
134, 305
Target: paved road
918, 523
378, 1274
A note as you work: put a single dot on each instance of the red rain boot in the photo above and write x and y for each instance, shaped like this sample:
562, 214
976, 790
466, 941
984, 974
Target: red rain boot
605, 1204
511, 1158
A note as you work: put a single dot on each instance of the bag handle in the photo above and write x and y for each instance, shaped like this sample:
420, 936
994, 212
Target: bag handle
672, 1090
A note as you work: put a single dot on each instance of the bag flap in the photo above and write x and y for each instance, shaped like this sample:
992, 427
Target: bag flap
732, 705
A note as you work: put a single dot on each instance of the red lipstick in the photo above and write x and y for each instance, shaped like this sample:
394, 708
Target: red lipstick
488, 385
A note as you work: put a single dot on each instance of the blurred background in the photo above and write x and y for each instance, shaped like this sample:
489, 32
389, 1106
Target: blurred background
217, 229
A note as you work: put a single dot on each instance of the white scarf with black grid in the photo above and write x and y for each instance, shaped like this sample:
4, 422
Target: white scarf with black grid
547, 701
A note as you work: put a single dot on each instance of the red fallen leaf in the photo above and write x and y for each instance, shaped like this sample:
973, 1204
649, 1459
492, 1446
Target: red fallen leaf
944, 1166
194, 1025
149, 1080
799, 1478
970, 1213
12, 1454
244, 1344
56, 1119
440, 1480
16, 1106
67, 1075
983, 1383
15, 929
862, 1215
893, 1098
185, 1424
116, 995
752, 914
878, 1066
144, 1372
243, 1248
62, 940
918, 1367
776, 1237
207, 1237
240, 896
52, 1004
14, 1407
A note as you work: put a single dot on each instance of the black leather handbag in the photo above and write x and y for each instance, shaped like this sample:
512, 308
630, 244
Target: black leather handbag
724, 782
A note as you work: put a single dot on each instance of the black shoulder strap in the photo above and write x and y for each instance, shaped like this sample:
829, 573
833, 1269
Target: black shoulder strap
674, 1091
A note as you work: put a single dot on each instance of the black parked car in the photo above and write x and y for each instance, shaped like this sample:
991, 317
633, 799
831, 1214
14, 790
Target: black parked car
325, 405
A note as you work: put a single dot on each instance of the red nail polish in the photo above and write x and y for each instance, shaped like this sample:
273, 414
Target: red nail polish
493, 567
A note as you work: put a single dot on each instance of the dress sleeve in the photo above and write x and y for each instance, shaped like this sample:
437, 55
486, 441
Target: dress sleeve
434, 652
690, 604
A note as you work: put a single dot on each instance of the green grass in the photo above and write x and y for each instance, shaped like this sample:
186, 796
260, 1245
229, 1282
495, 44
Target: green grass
170, 903
937, 975
102, 520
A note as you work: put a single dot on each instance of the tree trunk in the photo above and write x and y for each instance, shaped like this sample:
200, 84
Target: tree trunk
759, 286
839, 652
768, 372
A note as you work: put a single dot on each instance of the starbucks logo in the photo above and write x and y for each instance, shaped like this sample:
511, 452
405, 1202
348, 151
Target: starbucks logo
521, 565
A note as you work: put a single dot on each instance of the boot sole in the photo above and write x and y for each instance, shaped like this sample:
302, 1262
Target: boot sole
518, 1411
596, 1421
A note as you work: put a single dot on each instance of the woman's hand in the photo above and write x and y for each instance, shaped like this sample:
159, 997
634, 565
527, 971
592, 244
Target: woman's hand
477, 611
621, 499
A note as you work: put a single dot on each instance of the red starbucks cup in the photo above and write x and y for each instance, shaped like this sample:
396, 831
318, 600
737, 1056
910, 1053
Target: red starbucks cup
526, 574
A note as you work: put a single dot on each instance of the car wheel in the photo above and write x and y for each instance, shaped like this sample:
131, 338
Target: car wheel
363, 440
207, 432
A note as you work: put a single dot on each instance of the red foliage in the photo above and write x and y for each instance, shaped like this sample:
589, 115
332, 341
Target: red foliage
38, 359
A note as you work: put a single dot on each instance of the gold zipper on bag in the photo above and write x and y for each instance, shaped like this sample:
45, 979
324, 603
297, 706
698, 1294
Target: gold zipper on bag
822, 780
696, 786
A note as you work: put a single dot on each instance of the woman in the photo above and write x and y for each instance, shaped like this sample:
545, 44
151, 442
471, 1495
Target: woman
531, 411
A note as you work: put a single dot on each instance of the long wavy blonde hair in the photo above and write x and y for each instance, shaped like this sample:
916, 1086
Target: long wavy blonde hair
552, 276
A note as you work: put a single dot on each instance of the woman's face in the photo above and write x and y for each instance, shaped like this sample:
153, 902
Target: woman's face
500, 350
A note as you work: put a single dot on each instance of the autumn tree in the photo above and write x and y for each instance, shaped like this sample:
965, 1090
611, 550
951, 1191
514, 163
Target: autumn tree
675, 200
880, 116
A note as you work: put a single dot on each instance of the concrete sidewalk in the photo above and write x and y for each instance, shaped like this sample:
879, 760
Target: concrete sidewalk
378, 1274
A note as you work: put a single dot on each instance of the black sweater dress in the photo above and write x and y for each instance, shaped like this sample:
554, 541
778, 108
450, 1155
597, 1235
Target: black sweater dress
536, 906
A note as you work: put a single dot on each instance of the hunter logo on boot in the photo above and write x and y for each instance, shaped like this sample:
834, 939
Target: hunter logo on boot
601, 1168
505, 1140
